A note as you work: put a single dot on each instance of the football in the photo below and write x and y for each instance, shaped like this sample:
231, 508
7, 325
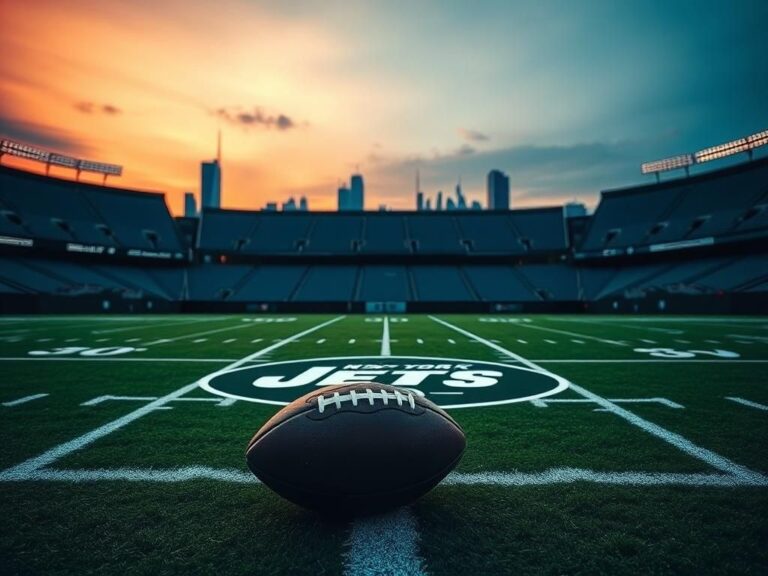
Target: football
356, 448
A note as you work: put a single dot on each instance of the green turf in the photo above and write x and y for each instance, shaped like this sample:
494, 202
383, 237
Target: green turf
225, 527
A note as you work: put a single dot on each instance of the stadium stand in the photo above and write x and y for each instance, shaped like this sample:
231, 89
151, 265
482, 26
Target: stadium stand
721, 203
127, 247
61, 210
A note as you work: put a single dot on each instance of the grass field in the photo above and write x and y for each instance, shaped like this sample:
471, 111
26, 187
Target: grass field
654, 460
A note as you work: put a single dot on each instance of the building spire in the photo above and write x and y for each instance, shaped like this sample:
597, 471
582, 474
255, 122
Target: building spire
218, 147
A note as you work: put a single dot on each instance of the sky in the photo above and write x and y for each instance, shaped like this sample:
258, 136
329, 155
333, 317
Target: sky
567, 97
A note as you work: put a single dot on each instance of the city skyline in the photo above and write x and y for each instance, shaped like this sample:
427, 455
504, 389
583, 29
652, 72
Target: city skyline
566, 98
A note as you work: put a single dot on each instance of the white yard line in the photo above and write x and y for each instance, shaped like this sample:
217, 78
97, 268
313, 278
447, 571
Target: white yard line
715, 460
195, 335
747, 403
503, 479
567, 333
24, 400
599, 323
385, 348
29, 467
113, 359
385, 543
542, 402
170, 323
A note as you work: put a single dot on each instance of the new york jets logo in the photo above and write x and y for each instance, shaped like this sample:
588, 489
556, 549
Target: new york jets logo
448, 382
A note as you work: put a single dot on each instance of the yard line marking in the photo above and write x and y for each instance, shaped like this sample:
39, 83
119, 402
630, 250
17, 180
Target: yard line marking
385, 345
542, 403
715, 460
503, 479
648, 341
199, 340
419, 341
206, 333
747, 403
58, 452
763, 339
577, 341
257, 340
72, 340
101, 399
321, 340
170, 323
566, 333
747, 342
43, 339
602, 323
114, 359
351, 341
133, 339
102, 340
571, 475
451, 341
229, 340
550, 341
712, 341
384, 544
522, 341
448, 393
683, 341
24, 400
646, 361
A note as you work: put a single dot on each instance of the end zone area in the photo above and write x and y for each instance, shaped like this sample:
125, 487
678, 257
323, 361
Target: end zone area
116, 461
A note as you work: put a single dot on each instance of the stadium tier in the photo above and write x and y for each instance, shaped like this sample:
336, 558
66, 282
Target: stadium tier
724, 205
651, 248
519, 232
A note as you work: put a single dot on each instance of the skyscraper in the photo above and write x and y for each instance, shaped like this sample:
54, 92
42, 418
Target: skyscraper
303, 205
343, 198
210, 184
190, 206
498, 190
439, 201
210, 180
357, 192
420, 201
461, 202
290, 205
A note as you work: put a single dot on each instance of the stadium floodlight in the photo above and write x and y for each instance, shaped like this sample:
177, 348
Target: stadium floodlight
734, 147
100, 167
683, 161
19, 150
60, 160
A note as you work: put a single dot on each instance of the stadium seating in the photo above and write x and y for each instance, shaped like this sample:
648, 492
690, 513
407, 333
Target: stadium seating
719, 203
384, 284
441, 284
40, 207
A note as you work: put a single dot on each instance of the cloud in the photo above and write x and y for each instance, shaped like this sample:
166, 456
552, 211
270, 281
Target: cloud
256, 118
39, 135
465, 150
473, 135
93, 108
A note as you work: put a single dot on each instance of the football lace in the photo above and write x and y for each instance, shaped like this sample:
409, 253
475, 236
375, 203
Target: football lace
369, 395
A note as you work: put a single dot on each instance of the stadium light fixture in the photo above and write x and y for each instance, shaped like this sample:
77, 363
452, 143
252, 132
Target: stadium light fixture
21, 150
747, 145
683, 161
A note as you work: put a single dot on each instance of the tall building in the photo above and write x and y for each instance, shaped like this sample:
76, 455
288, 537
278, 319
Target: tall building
419, 194
344, 198
461, 201
303, 205
356, 192
476, 205
210, 184
439, 201
210, 180
498, 190
190, 206
270, 207
573, 209
450, 205
290, 205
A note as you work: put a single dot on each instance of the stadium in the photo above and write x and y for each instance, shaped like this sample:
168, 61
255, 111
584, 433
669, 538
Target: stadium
606, 369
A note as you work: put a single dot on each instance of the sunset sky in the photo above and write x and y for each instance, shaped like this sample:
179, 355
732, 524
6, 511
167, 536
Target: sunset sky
568, 97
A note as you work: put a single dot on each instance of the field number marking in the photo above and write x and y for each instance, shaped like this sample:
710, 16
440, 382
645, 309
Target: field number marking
672, 353
84, 351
